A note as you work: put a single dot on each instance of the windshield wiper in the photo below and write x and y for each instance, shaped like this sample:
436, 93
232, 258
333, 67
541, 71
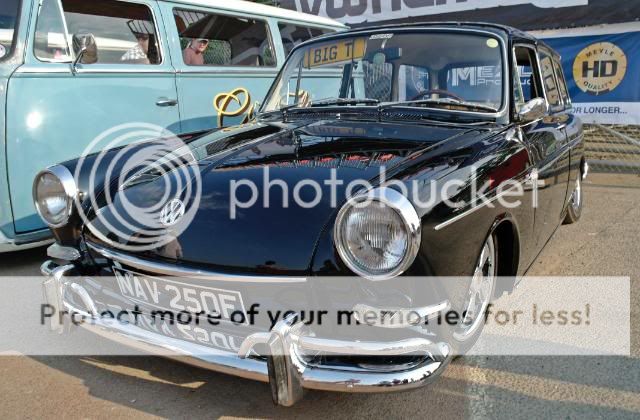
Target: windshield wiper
344, 101
447, 101
327, 102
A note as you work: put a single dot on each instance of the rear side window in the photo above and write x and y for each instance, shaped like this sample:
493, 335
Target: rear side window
549, 80
293, 35
118, 32
209, 39
562, 83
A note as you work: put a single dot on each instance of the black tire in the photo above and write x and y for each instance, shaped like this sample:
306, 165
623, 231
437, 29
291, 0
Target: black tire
574, 209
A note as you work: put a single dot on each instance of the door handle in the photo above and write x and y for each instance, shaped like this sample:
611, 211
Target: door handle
166, 102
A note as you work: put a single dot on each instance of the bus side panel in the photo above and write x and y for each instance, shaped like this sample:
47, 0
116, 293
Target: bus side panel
6, 217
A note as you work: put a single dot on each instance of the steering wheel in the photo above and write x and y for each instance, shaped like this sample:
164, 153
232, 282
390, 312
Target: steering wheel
426, 92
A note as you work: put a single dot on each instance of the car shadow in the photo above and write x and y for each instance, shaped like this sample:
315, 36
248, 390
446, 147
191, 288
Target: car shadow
492, 387
22, 263
171, 389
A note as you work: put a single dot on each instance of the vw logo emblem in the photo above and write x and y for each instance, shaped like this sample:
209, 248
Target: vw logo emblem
172, 212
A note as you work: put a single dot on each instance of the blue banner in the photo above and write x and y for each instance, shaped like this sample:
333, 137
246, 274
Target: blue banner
603, 75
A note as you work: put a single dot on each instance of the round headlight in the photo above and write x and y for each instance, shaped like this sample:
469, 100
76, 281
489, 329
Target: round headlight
54, 191
378, 234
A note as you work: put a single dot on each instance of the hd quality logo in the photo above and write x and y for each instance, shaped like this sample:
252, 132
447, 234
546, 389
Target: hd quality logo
599, 68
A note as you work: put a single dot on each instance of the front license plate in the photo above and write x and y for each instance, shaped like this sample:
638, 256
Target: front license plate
178, 296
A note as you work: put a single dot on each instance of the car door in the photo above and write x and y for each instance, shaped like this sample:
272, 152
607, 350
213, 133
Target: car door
125, 77
548, 144
225, 63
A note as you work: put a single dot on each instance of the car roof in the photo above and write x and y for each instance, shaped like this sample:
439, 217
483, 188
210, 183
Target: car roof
510, 32
242, 6
493, 27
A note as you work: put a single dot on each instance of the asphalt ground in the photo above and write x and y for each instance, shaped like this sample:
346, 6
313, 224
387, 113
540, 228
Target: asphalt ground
605, 242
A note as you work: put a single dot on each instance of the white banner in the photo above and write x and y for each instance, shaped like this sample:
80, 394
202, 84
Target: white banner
358, 11
626, 113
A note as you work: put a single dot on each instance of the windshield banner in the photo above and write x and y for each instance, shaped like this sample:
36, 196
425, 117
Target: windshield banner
602, 73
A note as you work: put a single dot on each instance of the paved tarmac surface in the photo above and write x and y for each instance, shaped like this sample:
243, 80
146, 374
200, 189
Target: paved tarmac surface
604, 242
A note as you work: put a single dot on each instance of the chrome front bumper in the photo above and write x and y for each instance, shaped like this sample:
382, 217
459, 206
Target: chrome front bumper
282, 367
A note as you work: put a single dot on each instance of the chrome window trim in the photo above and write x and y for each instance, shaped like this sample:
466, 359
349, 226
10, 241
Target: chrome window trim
31, 69
407, 213
126, 70
516, 105
70, 188
193, 273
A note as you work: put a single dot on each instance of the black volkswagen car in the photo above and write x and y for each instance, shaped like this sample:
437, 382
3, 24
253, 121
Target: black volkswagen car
392, 175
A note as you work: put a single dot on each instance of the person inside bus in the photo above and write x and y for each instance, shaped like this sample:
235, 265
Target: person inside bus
138, 54
194, 53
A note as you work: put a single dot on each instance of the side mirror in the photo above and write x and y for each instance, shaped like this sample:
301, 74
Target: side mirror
533, 110
84, 46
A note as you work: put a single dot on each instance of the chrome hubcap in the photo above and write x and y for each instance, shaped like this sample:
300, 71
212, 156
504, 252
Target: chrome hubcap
576, 197
480, 291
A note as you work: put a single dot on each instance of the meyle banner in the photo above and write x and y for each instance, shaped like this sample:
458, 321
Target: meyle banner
523, 14
602, 72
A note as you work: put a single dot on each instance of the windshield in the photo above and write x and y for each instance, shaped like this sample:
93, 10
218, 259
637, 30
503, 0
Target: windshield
9, 10
452, 70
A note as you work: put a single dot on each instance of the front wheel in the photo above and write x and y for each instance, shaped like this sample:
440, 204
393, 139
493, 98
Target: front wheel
462, 336
574, 211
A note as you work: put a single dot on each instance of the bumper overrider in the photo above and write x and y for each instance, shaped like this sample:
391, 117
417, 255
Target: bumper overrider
280, 362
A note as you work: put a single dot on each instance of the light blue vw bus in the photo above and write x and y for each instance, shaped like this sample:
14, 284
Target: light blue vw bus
73, 69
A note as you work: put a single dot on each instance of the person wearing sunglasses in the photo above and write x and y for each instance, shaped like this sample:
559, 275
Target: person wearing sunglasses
194, 53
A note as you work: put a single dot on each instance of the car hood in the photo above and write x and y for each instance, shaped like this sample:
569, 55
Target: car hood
278, 233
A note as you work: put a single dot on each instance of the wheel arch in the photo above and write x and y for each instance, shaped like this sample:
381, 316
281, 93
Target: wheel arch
505, 231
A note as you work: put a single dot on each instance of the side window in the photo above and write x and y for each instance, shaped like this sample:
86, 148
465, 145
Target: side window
549, 80
209, 39
118, 32
562, 84
293, 35
51, 38
529, 83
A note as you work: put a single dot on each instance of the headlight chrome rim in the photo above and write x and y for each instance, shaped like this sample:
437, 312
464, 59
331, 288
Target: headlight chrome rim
70, 189
403, 207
